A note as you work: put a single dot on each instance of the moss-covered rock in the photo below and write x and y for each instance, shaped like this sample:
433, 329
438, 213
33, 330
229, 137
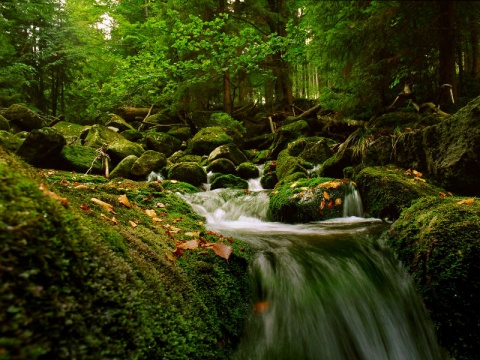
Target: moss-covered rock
124, 168
287, 165
149, 161
4, 124
287, 134
81, 159
248, 170
24, 118
182, 133
230, 152
179, 186
76, 285
208, 139
188, 172
182, 156
269, 176
222, 165
42, 147
121, 148
162, 142
228, 182
386, 191
132, 135
10, 141
98, 135
118, 122
69, 130
315, 150
307, 200
438, 240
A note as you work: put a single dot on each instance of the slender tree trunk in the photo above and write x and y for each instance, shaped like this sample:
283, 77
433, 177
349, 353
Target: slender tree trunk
446, 26
227, 93
474, 43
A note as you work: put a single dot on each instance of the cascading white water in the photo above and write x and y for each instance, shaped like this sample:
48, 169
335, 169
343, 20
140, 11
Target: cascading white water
352, 204
327, 290
254, 184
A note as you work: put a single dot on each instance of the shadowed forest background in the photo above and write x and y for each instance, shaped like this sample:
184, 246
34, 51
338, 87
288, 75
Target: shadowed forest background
84, 58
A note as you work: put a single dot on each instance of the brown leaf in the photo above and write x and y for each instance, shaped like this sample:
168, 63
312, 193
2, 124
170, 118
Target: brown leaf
189, 245
322, 204
326, 195
81, 187
113, 220
85, 207
123, 199
261, 306
338, 201
222, 250
193, 233
151, 213
157, 220
417, 173
105, 205
442, 194
52, 195
170, 257
132, 223
330, 204
466, 202
449, 193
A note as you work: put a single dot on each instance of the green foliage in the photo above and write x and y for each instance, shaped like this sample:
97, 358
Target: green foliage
225, 121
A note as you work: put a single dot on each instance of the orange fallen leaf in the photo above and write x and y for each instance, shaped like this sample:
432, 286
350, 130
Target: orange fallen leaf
113, 220
123, 199
222, 250
189, 245
105, 205
326, 195
330, 204
132, 223
85, 207
81, 187
417, 173
193, 233
466, 202
449, 193
261, 306
322, 204
338, 201
442, 194
157, 220
151, 213
52, 195
170, 257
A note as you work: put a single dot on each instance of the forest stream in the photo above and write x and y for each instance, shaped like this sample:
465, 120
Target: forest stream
324, 290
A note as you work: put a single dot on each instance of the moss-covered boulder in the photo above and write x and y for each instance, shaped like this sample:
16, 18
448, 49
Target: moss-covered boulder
81, 159
179, 187
248, 170
42, 147
124, 168
4, 124
161, 142
182, 133
188, 172
287, 134
307, 200
222, 165
387, 190
69, 130
10, 141
208, 139
269, 176
315, 150
260, 142
230, 152
438, 240
182, 156
149, 161
121, 148
287, 165
228, 182
117, 122
98, 135
132, 135
24, 118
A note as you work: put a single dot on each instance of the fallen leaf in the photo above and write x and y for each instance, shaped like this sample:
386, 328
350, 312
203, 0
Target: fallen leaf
160, 205
52, 195
193, 233
261, 306
417, 173
330, 184
123, 199
222, 250
105, 205
322, 204
442, 194
326, 195
113, 220
338, 201
466, 202
81, 187
85, 207
416, 178
172, 229
449, 193
151, 213
330, 204
189, 245
174, 181
170, 257
132, 223
156, 220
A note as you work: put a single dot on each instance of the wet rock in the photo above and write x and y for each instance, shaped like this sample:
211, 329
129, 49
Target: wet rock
248, 170
208, 139
222, 165
229, 182
149, 161
188, 172
124, 167
230, 152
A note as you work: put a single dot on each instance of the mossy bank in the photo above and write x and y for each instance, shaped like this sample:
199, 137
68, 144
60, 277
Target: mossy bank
81, 280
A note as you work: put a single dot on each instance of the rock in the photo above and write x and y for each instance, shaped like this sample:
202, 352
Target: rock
229, 182
24, 118
124, 167
9, 141
118, 122
188, 172
182, 133
121, 148
287, 165
248, 170
72, 132
269, 177
287, 134
222, 165
307, 200
315, 150
132, 135
182, 156
149, 161
161, 142
42, 148
438, 241
260, 142
4, 124
387, 191
98, 135
208, 139
80, 159
230, 152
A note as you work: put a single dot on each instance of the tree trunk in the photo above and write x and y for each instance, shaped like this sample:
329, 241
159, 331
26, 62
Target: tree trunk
227, 93
446, 26
474, 40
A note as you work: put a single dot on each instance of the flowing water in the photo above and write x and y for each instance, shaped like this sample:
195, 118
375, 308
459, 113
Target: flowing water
324, 290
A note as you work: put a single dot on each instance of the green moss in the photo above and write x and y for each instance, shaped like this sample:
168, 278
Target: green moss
179, 186
79, 284
229, 181
438, 240
307, 200
387, 190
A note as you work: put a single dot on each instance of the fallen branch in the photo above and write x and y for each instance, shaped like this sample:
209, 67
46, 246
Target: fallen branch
102, 155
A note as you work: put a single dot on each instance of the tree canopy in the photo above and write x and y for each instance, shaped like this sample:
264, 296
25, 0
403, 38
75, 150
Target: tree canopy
84, 58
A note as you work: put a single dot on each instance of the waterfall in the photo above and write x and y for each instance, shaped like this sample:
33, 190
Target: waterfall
254, 184
352, 204
325, 290
153, 176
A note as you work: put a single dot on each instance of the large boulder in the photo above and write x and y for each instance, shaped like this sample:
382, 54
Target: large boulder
4, 124
99, 135
149, 161
315, 150
42, 148
188, 172
70, 131
24, 118
208, 139
162, 142
230, 152
248, 170
308, 200
182, 133
124, 167
287, 134
229, 182
10, 141
118, 122
80, 159
438, 241
121, 148
222, 165
387, 190
287, 165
